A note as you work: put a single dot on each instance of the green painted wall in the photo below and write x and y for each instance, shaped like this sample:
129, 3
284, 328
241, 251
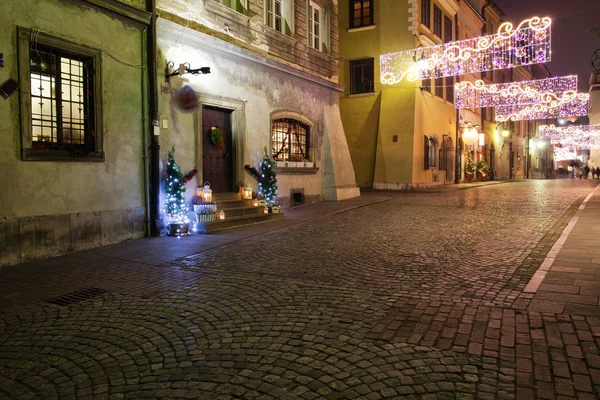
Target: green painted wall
30, 188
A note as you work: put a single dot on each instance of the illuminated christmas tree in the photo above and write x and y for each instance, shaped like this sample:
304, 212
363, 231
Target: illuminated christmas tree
268, 184
175, 193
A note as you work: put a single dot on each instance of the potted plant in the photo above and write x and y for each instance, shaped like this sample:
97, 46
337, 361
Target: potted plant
482, 170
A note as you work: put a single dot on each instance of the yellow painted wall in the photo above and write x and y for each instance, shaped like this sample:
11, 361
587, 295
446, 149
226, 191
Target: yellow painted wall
433, 116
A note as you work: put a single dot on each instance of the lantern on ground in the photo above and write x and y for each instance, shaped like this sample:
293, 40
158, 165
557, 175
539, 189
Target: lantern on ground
205, 193
247, 192
221, 214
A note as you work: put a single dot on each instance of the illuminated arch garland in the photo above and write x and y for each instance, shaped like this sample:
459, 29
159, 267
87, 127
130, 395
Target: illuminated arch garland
574, 136
569, 105
528, 44
474, 95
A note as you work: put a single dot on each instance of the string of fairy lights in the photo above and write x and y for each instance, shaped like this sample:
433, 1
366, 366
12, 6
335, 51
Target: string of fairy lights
528, 43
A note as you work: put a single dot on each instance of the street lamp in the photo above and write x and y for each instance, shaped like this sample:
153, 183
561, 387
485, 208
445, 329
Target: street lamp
470, 135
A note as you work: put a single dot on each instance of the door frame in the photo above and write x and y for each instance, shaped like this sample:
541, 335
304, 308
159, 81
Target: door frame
238, 132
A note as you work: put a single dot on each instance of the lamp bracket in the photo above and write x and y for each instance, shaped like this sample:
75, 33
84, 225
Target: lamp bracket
184, 68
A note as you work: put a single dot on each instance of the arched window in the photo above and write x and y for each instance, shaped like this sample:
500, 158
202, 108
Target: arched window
290, 140
430, 152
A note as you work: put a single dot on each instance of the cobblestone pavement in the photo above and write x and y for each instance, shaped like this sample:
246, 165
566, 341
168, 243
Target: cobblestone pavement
418, 297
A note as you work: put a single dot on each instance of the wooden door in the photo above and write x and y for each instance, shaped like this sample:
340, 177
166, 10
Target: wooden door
217, 163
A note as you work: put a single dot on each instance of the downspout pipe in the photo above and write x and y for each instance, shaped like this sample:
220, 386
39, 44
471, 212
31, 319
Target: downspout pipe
153, 114
456, 149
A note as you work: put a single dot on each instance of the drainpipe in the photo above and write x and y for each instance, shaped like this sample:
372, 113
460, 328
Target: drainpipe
153, 108
145, 136
456, 150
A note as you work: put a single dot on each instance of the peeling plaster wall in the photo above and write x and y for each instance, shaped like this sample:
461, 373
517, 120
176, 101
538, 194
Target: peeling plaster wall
33, 193
259, 88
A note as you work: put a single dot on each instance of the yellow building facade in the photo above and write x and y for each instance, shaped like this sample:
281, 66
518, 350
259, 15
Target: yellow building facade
400, 136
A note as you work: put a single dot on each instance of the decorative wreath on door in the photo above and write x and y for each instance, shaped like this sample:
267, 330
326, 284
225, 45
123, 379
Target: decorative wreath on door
216, 137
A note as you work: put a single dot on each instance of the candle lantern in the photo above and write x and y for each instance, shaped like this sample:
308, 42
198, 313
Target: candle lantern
221, 214
247, 192
205, 193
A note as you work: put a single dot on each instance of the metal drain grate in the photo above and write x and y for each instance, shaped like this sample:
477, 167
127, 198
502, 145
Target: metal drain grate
76, 297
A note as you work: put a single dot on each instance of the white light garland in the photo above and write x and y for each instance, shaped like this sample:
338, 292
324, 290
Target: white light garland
474, 95
528, 44
570, 105
573, 136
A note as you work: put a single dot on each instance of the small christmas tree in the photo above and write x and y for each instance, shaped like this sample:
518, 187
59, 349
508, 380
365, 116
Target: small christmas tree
268, 184
470, 166
175, 188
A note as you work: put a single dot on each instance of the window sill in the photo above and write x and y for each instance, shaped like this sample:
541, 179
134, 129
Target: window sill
296, 170
275, 34
226, 12
362, 28
318, 53
365, 94
61, 155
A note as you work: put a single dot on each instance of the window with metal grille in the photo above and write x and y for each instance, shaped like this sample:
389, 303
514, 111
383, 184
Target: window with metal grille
437, 21
62, 99
426, 13
62, 105
362, 76
439, 87
447, 29
290, 140
361, 13
450, 89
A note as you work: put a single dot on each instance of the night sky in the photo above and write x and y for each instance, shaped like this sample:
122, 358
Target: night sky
572, 44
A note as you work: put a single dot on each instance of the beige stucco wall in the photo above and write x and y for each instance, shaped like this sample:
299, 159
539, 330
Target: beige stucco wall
29, 188
257, 89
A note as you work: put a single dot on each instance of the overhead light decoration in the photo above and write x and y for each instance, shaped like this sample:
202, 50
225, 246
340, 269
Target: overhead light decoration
477, 94
570, 105
573, 136
564, 153
528, 44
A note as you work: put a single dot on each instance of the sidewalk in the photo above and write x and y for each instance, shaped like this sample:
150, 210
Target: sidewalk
568, 281
131, 267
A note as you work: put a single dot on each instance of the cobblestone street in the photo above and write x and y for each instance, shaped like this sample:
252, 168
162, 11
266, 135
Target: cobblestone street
419, 297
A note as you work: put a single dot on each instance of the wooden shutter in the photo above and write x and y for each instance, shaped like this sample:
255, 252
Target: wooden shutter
426, 153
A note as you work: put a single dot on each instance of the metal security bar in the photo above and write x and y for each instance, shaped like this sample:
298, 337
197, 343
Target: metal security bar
290, 140
61, 99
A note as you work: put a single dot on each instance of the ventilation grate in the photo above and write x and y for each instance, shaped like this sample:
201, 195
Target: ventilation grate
76, 297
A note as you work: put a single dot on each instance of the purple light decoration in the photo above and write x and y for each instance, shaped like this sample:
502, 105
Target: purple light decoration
531, 38
474, 95
576, 106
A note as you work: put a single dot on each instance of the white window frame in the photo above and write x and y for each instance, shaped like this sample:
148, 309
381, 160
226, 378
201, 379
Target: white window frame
323, 27
285, 16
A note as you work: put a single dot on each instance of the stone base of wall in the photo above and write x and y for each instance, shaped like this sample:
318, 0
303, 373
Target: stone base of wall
405, 186
29, 238
285, 202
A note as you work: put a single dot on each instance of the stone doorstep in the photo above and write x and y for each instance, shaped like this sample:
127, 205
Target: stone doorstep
233, 222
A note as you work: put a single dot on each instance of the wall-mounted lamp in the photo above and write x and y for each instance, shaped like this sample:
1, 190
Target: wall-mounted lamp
184, 69
470, 135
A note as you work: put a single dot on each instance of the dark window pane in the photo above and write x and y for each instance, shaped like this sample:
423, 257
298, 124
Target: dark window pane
450, 89
426, 84
362, 76
426, 13
439, 87
447, 29
437, 21
360, 13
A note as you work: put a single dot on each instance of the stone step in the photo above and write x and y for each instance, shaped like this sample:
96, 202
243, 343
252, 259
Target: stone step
238, 211
225, 196
231, 222
229, 204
